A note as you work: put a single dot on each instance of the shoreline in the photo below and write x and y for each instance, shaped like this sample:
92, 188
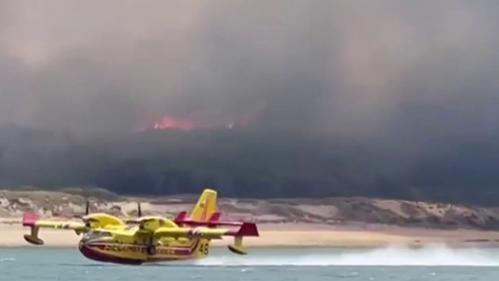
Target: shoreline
300, 235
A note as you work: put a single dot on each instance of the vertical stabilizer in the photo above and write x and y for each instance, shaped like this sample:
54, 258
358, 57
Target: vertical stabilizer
205, 207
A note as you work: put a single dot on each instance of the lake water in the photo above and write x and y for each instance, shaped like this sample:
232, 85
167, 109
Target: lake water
432, 263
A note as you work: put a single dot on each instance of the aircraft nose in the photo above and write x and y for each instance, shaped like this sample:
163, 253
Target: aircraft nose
86, 249
91, 251
95, 251
86, 245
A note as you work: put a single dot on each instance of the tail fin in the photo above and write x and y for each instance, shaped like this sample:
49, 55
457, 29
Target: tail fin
205, 207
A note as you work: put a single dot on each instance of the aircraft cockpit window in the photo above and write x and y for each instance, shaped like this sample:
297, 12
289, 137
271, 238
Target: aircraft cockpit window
96, 235
131, 227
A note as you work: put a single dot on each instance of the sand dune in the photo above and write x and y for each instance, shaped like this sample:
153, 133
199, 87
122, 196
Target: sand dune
339, 222
273, 235
320, 211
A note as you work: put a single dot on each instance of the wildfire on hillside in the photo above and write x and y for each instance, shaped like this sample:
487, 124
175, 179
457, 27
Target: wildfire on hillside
169, 122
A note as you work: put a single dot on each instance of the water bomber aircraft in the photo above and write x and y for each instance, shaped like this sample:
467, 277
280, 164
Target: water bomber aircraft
107, 238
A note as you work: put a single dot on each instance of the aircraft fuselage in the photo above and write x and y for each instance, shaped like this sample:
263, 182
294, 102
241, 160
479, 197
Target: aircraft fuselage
135, 253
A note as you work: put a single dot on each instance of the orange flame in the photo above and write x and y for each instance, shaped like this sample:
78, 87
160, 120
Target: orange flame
168, 122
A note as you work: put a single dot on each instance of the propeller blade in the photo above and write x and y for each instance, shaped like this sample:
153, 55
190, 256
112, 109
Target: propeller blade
87, 208
139, 210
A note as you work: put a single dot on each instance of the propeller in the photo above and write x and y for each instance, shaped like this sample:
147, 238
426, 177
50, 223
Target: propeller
87, 208
86, 212
84, 217
139, 215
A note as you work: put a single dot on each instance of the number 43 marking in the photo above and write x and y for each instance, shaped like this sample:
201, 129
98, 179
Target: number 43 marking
203, 249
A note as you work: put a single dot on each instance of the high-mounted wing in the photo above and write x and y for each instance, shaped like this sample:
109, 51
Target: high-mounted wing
245, 230
32, 221
198, 232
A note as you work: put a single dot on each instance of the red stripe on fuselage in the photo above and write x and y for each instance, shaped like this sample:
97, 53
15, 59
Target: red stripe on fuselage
93, 254
93, 251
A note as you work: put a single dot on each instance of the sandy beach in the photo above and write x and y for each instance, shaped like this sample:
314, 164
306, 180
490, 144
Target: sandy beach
332, 222
300, 235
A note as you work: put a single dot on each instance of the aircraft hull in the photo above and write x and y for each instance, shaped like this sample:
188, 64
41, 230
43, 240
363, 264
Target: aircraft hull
134, 254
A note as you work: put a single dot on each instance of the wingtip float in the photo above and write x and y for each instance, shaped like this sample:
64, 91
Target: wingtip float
107, 238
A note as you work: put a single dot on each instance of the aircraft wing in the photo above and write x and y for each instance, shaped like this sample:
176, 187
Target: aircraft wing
32, 221
245, 229
201, 232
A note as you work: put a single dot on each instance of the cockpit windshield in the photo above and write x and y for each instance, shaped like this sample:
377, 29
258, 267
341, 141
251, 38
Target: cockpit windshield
132, 227
96, 235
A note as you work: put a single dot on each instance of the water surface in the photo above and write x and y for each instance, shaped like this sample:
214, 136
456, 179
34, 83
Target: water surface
432, 263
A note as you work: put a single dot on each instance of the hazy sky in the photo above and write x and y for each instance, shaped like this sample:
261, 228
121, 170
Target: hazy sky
357, 68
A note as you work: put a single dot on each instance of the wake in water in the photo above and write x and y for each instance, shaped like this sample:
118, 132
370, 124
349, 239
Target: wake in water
427, 256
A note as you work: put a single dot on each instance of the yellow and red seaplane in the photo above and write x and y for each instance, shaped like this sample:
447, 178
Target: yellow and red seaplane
107, 238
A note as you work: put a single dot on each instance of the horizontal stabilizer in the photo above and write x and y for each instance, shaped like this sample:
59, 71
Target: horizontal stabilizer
215, 218
181, 217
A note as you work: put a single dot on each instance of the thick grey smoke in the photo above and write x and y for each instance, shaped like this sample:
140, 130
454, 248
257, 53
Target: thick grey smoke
341, 67
364, 97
